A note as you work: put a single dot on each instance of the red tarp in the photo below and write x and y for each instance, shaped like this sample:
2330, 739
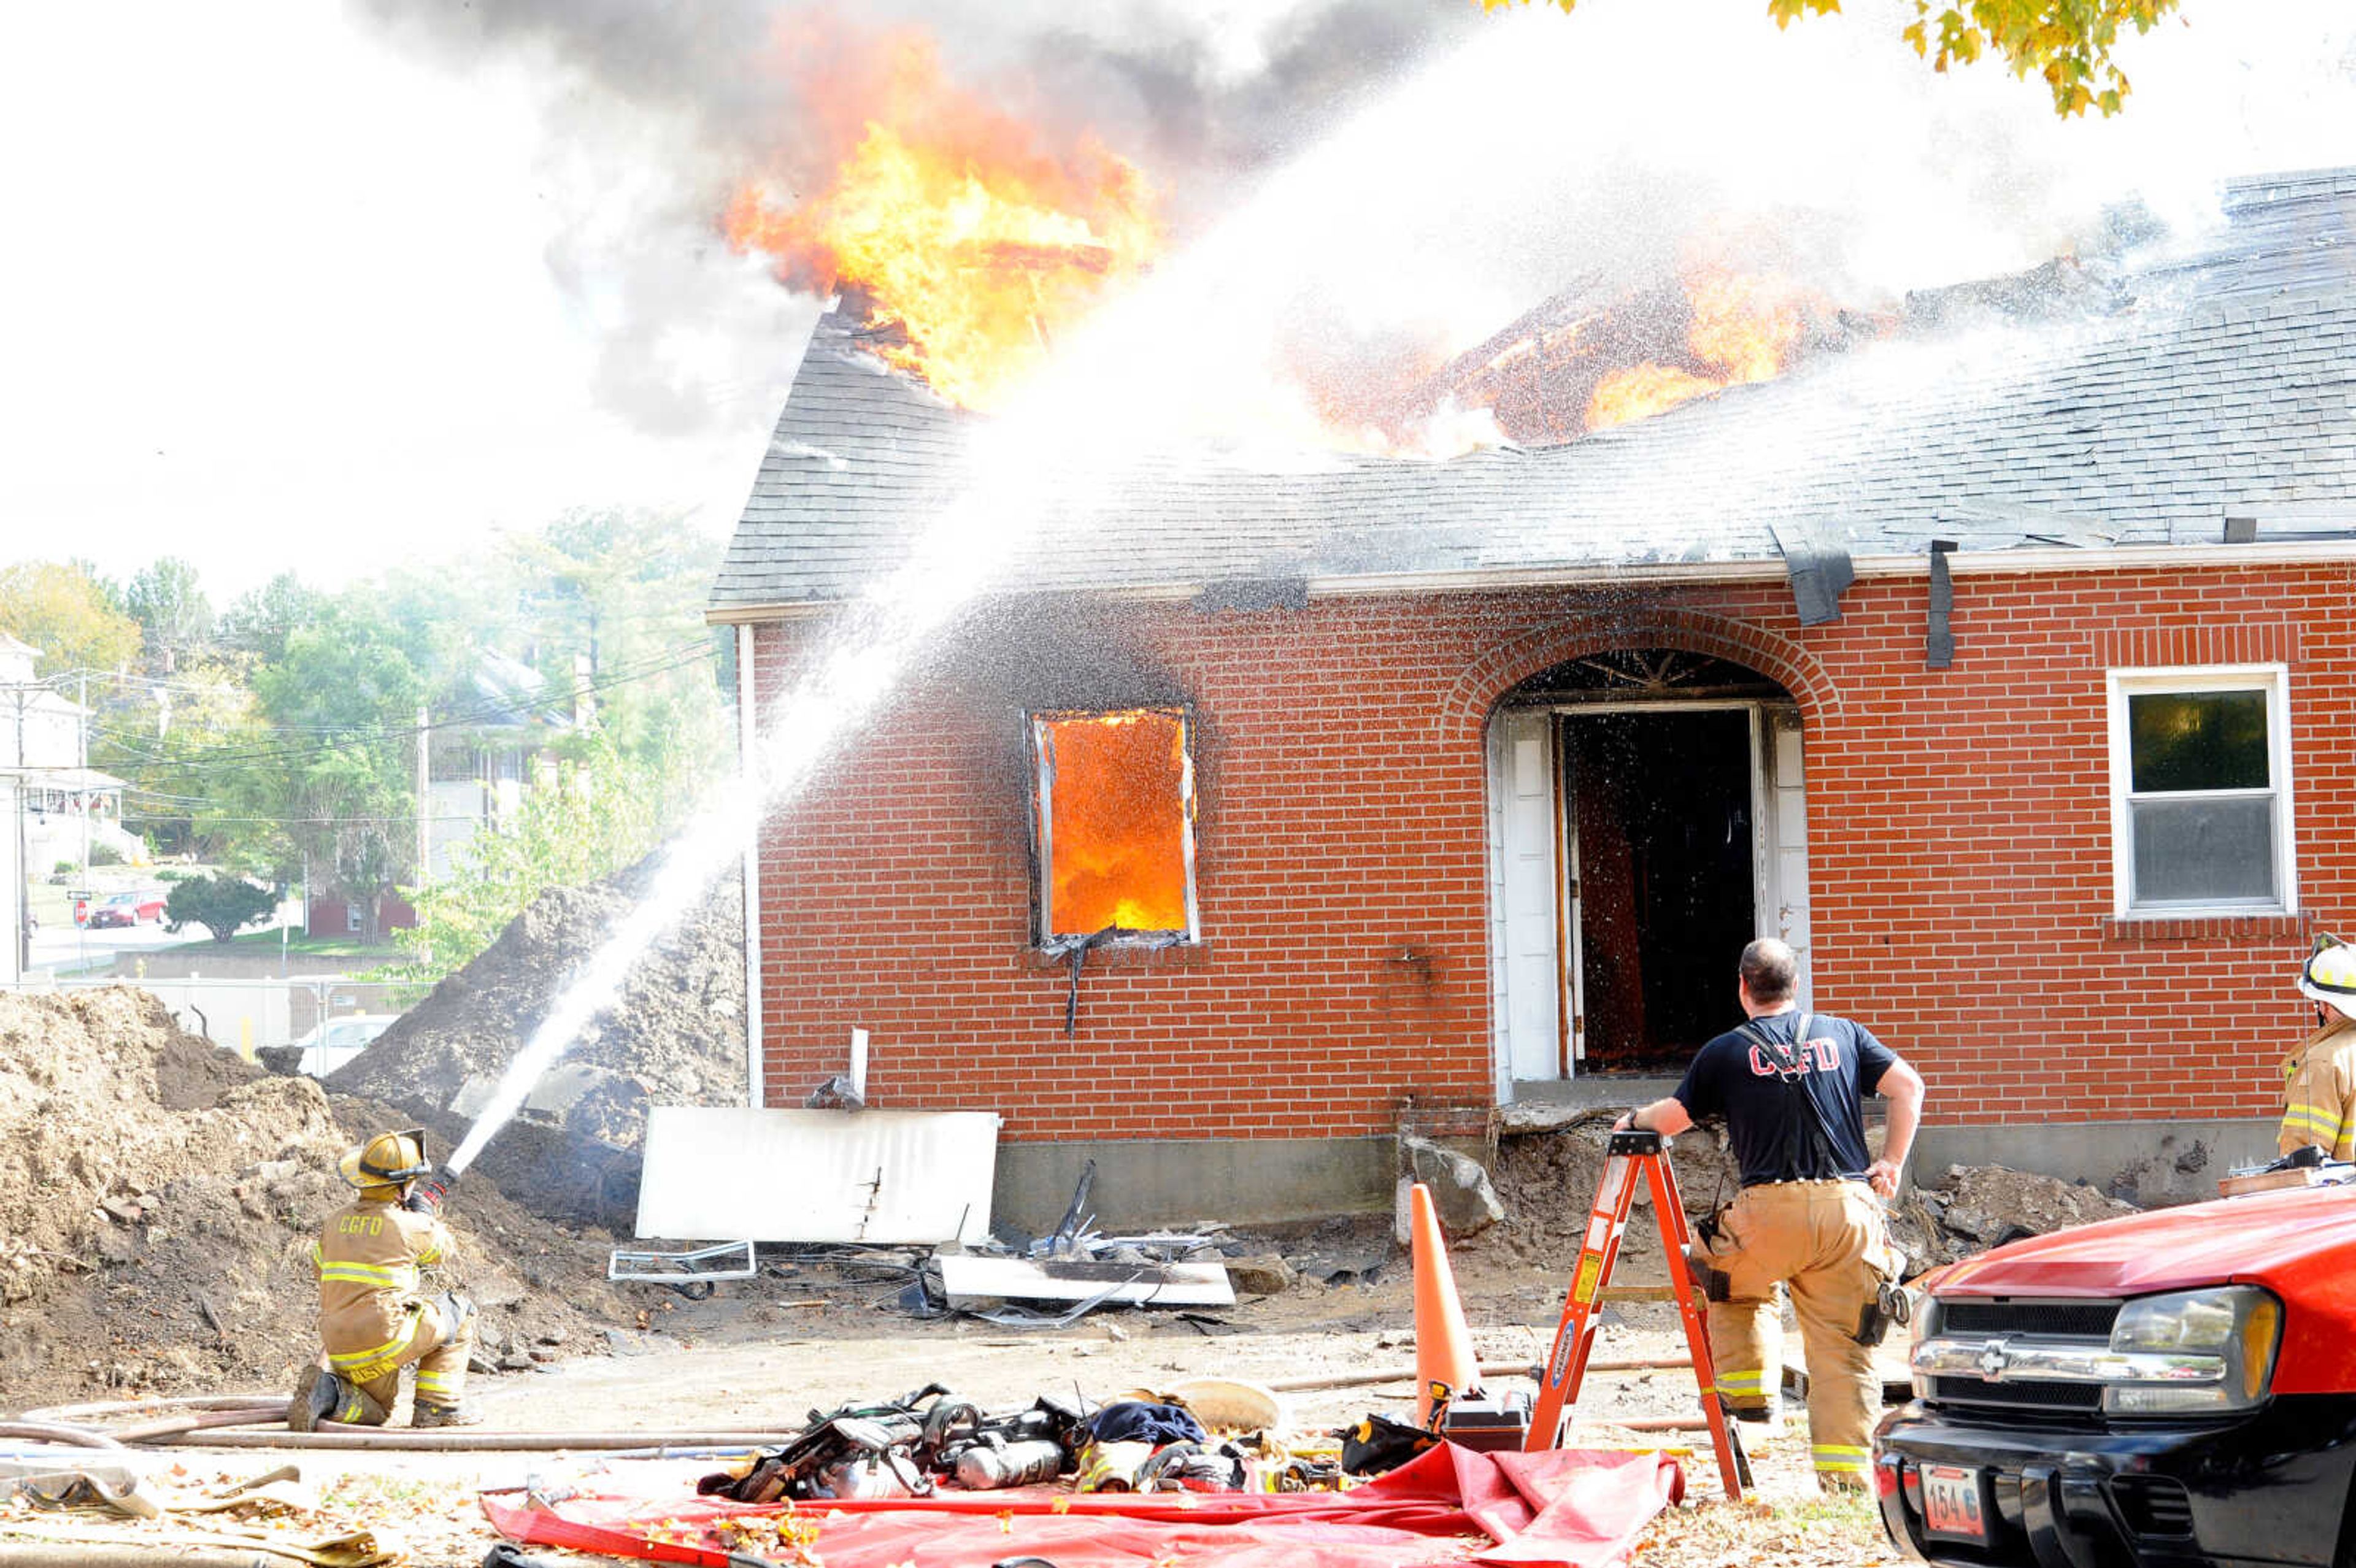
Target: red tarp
1576, 1507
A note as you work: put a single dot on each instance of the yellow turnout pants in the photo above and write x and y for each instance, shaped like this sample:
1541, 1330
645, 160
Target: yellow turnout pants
1823, 1241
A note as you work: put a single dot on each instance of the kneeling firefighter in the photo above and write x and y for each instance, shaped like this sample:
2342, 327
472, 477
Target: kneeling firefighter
373, 1319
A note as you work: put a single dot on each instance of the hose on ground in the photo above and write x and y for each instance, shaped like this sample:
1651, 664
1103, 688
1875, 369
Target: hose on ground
57, 1432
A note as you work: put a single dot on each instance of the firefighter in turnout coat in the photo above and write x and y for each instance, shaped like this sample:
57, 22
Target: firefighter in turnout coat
2319, 1079
373, 1319
1809, 1218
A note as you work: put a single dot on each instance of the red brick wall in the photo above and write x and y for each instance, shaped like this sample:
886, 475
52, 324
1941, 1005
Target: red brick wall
1959, 856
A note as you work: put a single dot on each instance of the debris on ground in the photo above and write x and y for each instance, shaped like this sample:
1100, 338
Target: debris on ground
674, 1037
158, 1198
1968, 1209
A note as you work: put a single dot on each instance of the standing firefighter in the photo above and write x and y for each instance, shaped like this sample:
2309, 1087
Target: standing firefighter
373, 1319
2320, 1087
1808, 1217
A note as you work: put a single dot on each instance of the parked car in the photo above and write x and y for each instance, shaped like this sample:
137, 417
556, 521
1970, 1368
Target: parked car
337, 1041
2178, 1386
120, 909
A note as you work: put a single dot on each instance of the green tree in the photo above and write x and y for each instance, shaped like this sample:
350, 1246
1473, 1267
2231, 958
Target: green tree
223, 905
185, 747
339, 784
67, 614
578, 820
262, 618
171, 609
2068, 43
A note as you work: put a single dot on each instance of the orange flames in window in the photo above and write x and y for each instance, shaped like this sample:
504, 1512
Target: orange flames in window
960, 227
1115, 790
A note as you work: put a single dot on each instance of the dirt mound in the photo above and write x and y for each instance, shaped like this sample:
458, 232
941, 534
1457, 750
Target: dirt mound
158, 1199
675, 1038
1547, 1182
1971, 1208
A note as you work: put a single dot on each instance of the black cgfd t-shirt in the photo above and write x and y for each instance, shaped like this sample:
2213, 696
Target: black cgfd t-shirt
1774, 1138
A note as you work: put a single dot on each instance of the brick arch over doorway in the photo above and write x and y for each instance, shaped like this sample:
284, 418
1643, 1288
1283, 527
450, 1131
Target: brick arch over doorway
1465, 707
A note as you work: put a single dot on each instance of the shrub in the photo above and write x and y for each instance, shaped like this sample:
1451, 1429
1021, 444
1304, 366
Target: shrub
105, 855
63, 868
223, 905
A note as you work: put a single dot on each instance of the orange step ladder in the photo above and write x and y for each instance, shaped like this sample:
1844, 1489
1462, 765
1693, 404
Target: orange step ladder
1625, 1155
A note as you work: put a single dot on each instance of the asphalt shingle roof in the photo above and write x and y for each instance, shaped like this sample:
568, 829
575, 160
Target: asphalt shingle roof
2219, 383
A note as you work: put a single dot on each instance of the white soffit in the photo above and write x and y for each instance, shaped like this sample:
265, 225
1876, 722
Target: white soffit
892, 1178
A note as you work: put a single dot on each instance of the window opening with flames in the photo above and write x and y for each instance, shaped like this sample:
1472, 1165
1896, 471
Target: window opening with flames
1113, 815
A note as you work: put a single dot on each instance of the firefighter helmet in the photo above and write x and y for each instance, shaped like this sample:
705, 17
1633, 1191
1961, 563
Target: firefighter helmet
386, 1163
2330, 977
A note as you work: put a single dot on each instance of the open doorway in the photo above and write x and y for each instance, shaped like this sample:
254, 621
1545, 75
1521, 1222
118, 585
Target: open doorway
1662, 892
1648, 816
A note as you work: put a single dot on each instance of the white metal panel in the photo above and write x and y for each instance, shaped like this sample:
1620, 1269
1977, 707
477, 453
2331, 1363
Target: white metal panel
728, 1173
970, 1279
1533, 1005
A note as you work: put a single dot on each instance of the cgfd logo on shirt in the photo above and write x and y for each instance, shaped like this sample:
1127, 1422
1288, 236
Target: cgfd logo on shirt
1821, 1054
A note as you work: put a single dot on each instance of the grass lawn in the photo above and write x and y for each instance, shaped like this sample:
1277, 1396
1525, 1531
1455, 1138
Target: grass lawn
352, 947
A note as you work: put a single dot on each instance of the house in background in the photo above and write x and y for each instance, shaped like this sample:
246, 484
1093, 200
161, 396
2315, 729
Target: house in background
2002, 665
69, 809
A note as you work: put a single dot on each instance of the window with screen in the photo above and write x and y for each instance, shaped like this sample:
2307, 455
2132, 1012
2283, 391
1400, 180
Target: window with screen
2200, 791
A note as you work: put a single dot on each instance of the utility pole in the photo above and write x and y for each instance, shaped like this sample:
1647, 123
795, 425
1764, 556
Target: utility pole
81, 761
424, 790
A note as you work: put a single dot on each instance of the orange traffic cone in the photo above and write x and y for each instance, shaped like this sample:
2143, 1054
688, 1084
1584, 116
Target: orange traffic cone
1443, 1345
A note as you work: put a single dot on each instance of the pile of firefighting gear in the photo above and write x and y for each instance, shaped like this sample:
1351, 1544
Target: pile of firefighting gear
931, 1438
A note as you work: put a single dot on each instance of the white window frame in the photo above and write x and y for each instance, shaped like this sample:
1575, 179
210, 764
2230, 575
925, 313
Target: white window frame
1036, 725
2274, 679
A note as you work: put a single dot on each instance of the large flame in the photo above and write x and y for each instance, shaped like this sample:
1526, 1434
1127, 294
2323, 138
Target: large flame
1742, 329
957, 225
1117, 805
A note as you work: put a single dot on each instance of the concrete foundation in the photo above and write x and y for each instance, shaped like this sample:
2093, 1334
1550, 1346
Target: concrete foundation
2147, 1163
1240, 1181
1143, 1183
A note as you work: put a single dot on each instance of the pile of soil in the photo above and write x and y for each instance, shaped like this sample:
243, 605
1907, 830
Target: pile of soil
1971, 1208
158, 1199
676, 1037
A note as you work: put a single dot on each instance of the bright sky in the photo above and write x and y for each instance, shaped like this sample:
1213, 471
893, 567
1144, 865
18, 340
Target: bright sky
280, 295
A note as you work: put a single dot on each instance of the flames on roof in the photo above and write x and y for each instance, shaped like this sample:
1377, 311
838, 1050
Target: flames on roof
1580, 363
970, 235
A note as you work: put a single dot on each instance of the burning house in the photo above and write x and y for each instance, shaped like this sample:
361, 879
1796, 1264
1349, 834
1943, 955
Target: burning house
1996, 655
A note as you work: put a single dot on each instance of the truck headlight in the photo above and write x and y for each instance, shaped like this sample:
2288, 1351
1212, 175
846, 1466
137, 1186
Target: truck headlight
2195, 1351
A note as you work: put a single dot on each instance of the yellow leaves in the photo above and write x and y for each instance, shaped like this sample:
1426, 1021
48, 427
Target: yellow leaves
2066, 42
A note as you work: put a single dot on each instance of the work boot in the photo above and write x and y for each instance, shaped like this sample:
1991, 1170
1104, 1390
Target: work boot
426, 1415
315, 1399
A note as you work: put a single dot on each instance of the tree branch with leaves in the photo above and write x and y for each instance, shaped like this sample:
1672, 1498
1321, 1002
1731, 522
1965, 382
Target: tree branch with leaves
2068, 43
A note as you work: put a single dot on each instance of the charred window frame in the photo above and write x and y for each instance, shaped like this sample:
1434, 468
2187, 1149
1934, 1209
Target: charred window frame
1112, 827
2200, 792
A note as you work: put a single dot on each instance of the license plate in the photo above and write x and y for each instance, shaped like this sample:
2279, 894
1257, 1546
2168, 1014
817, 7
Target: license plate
1950, 1503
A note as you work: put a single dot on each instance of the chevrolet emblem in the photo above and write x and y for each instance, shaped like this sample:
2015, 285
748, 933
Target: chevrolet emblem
1994, 1359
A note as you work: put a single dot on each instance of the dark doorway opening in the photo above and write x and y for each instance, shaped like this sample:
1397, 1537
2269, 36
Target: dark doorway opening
1661, 804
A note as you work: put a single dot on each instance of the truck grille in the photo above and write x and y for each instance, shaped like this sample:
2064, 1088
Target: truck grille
2017, 1395
2047, 1320
2077, 1322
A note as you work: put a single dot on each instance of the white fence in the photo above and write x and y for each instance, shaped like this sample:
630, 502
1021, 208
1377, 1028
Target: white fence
246, 1015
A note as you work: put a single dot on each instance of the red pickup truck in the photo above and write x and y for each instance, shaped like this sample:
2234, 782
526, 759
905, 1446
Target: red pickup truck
2175, 1387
